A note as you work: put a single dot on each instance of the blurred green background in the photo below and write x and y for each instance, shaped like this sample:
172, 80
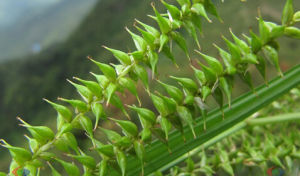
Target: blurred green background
45, 43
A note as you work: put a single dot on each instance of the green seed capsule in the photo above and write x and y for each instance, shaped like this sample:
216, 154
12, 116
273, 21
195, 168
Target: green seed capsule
241, 44
83, 91
272, 55
41, 133
98, 112
165, 125
200, 76
292, 32
70, 168
92, 86
150, 29
213, 63
141, 72
102, 80
139, 150
121, 159
256, 42
227, 87
234, 51
199, 9
210, 74
167, 51
62, 110
110, 91
191, 28
84, 159
111, 135
148, 37
218, 96
160, 105
261, 67
70, 140
33, 144
205, 91
263, 31
139, 42
128, 127
173, 91
210, 7
163, 24
288, 12
146, 135
146, 116
107, 70
61, 145
176, 36
153, 59
106, 150
163, 40
116, 101
123, 57
77, 104
103, 167
187, 83
187, 117
86, 124
20, 155
229, 63
130, 85
174, 11
296, 17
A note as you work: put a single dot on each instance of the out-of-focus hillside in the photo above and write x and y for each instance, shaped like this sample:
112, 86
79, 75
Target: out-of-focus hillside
24, 82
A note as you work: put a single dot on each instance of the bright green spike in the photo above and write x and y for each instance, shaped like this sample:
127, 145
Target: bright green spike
20, 155
287, 13
199, 9
160, 105
107, 70
145, 114
62, 110
213, 63
187, 83
150, 29
110, 91
139, 42
210, 74
229, 63
242, 44
163, 24
176, 36
187, 117
163, 40
121, 159
272, 54
70, 168
173, 10
42, 134
92, 86
102, 80
234, 51
148, 37
120, 55
173, 91
128, 127
77, 104
83, 91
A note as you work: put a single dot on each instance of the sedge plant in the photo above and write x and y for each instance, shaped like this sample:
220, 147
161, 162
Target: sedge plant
182, 120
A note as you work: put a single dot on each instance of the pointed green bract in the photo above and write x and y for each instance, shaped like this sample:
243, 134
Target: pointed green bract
288, 12
71, 169
142, 74
187, 117
92, 86
128, 127
213, 63
20, 155
173, 91
162, 22
121, 159
150, 29
120, 55
107, 70
272, 55
53, 170
166, 126
77, 104
98, 112
145, 114
160, 105
139, 42
187, 83
199, 9
86, 160
111, 135
162, 41
83, 91
62, 110
176, 36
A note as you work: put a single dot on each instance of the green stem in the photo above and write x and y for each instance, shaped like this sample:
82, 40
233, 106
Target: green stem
274, 119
